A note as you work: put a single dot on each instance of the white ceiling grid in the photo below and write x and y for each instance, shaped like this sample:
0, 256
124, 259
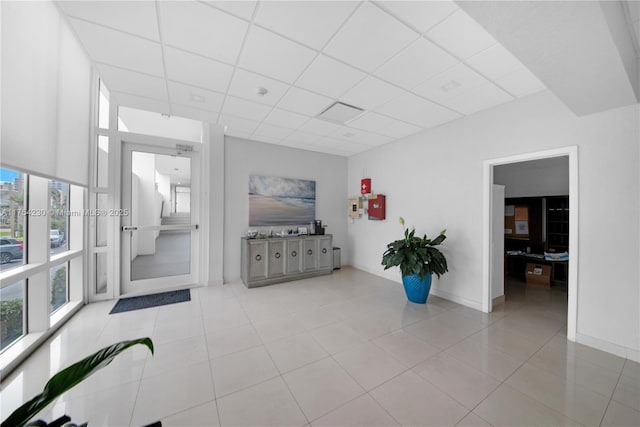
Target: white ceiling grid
411, 65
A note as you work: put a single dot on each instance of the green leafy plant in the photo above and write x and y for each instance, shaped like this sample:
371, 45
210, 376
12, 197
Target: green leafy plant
68, 378
416, 255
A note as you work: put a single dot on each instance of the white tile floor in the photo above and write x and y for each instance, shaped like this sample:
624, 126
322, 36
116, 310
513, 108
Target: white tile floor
345, 349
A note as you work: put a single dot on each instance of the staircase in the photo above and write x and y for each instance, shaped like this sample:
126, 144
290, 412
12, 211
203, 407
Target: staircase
176, 219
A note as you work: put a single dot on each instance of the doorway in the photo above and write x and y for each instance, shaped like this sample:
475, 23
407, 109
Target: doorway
159, 234
489, 234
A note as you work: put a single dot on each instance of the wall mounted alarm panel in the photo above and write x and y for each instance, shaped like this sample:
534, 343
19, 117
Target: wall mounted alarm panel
355, 205
377, 207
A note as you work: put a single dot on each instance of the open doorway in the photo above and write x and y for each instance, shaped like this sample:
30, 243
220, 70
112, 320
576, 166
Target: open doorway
533, 195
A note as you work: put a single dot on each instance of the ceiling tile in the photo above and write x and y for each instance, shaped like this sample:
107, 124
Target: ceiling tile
369, 38
133, 101
521, 82
245, 84
265, 138
413, 109
329, 77
480, 98
304, 102
194, 113
274, 56
494, 62
319, 127
135, 17
238, 133
370, 93
119, 49
292, 143
421, 15
309, 22
119, 80
374, 122
245, 109
399, 129
202, 29
461, 35
237, 124
196, 70
359, 136
241, 8
337, 147
285, 118
451, 83
195, 97
272, 131
300, 137
416, 64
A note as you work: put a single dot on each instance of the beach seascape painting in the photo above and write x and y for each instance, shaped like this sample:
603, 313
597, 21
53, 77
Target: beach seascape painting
281, 201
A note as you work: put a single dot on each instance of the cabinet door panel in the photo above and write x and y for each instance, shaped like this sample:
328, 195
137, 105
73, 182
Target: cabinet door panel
310, 254
294, 256
276, 258
258, 268
325, 253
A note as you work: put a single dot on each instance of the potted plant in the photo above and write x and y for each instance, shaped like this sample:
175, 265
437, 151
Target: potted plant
418, 259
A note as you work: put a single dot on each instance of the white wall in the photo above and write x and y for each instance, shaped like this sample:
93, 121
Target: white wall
244, 158
46, 81
434, 180
538, 178
147, 202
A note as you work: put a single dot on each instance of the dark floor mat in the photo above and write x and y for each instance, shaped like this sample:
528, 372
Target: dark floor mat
147, 301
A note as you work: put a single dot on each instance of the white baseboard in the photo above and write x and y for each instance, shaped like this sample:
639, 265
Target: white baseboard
498, 300
609, 347
458, 299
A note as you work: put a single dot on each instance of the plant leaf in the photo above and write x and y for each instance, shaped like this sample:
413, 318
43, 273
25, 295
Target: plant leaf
69, 377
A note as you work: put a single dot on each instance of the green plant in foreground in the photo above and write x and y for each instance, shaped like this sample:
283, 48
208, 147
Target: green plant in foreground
416, 255
68, 378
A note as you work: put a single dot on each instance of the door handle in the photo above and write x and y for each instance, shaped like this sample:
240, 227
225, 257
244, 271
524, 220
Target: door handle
129, 228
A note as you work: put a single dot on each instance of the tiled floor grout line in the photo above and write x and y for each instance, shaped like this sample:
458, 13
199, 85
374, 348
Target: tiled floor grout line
611, 397
206, 347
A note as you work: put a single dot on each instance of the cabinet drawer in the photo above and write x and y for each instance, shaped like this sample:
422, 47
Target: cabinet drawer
258, 268
276, 258
325, 253
310, 254
294, 256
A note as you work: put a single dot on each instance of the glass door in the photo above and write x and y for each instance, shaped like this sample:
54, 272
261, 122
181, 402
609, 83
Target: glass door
160, 213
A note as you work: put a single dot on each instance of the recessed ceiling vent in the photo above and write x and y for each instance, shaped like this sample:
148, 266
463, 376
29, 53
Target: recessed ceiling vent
339, 112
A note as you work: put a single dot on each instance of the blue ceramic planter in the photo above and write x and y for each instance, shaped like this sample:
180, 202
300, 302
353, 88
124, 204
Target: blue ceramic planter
417, 289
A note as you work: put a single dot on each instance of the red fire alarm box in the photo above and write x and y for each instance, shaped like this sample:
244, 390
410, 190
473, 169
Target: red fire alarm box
377, 207
365, 186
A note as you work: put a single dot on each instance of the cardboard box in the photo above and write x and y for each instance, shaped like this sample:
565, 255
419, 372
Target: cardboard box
538, 275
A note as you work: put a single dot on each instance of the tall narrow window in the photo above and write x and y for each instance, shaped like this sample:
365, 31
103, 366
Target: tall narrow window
59, 216
59, 294
103, 107
12, 219
11, 313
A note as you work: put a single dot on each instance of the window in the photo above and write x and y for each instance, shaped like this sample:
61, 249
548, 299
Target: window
59, 295
59, 216
11, 313
103, 106
12, 219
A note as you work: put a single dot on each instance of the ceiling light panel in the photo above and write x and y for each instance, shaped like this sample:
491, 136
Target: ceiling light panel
461, 35
116, 48
310, 22
371, 93
133, 83
141, 103
329, 77
416, 64
304, 102
135, 17
199, 28
245, 84
480, 98
451, 83
495, 62
286, 118
421, 15
521, 82
274, 56
195, 97
341, 113
369, 38
415, 110
241, 8
245, 109
196, 70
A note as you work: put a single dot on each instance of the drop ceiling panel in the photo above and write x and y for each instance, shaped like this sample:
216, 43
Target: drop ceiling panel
266, 138
415, 110
521, 82
135, 17
237, 123
272, 131
371, 93
310, 22
133, 101
329, 77
360, 137
417, 63
119, 49
446, 85
238, 133
369, 38
304, 102
133, 83
421, 15
196, 70
494, 62
319, 127
302, 138
199, 28
399, 129
372, 122
245, 109
245, 84
461, 35
195, 97
194, 113
274, 56
241, 8
286, 118
480, 98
